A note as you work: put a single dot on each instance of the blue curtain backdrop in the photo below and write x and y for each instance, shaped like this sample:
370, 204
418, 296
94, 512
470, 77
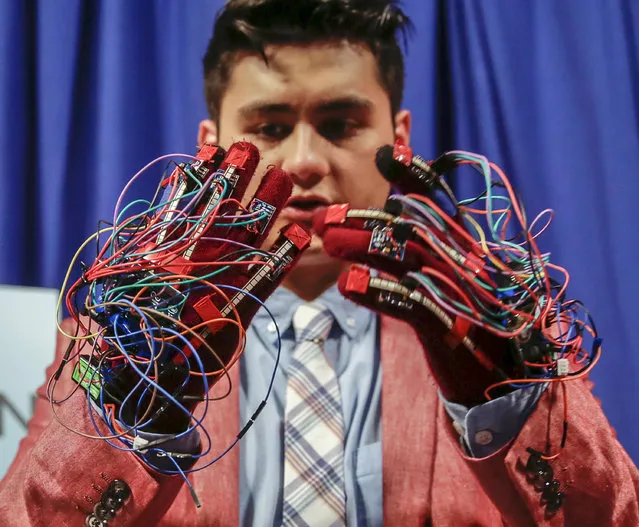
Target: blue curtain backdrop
90, 91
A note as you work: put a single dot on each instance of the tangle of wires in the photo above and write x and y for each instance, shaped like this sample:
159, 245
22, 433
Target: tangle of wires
159, 311
492, 274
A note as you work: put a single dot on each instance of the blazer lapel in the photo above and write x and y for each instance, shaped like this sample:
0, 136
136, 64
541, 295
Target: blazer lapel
222, 479
409, 415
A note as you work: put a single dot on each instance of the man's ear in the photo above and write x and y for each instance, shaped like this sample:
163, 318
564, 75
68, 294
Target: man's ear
403, 121
207, 132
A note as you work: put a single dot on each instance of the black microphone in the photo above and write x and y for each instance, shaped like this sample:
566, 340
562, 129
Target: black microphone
409, 173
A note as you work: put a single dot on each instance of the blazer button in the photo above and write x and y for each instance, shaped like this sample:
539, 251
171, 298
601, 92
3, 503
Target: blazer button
111, 502
550, 490
102, 512
92, 521
555, 502
119, 490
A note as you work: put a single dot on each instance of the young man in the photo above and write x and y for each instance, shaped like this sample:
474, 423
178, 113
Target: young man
317, 86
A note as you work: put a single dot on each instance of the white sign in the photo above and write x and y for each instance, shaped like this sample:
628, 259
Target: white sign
27, 347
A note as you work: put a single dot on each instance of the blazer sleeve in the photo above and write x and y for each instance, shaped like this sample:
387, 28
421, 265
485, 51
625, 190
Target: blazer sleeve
58, 476
599, 480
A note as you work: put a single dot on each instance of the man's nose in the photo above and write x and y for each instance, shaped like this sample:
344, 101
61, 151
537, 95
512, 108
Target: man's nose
304, 156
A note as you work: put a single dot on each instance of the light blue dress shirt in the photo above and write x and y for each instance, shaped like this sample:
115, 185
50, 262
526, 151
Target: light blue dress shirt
353, 349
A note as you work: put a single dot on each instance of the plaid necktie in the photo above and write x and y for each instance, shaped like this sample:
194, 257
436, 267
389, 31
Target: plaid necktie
314, 434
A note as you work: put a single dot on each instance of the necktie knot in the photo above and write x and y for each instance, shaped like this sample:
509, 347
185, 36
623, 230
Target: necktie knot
312, 322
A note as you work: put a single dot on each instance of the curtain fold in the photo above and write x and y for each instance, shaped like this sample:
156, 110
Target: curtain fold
90, 91
548, 90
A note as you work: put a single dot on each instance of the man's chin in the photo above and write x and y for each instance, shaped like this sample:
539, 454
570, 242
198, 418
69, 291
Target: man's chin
316, 258
314, 272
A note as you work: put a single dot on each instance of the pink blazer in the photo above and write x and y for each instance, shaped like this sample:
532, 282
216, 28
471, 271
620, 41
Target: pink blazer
57, 476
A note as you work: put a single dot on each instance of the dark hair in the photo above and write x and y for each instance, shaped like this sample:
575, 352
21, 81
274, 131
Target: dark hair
251, 25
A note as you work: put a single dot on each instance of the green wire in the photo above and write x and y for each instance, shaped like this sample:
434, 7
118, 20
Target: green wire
145, 282
247, 222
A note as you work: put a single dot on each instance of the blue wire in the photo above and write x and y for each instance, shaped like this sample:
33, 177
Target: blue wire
188, 483
130, 444
277, 360
147, 388
277, 329
144, 378
121, 420
162, 390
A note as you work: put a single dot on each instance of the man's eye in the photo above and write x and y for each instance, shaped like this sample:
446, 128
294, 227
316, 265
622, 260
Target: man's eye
336, 129
274, 130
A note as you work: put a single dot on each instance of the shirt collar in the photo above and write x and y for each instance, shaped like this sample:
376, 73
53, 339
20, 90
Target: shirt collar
352, 319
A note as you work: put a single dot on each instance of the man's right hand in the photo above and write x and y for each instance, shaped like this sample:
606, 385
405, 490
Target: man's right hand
175, 286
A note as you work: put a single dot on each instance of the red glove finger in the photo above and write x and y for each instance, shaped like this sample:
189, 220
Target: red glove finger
375, 243
392, 252
271, 196
221, 182
463, 364
179, 266
213, 311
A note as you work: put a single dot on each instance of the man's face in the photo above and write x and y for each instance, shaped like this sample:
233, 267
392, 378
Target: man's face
319, 112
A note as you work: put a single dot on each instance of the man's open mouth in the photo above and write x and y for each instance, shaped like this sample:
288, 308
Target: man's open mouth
304, 208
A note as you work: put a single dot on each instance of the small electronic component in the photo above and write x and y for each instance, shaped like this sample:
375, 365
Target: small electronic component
208, 159
87, 376
264, 213
168, 300
286, 249
563, 367
396, 300
384, 241
291, 242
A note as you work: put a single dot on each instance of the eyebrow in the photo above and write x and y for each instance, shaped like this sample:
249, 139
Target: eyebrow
351, 102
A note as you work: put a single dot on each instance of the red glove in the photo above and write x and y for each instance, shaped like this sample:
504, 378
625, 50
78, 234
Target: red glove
181, 283
464, 357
